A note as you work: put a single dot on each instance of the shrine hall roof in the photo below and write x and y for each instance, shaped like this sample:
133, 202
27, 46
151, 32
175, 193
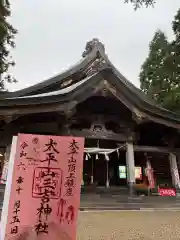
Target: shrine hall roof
82, 79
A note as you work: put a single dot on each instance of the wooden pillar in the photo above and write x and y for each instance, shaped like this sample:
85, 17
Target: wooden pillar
130, 166
174, 170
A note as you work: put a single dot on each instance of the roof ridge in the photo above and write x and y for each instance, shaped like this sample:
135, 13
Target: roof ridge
68, 72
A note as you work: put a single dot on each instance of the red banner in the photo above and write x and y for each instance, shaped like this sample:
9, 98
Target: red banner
150, 174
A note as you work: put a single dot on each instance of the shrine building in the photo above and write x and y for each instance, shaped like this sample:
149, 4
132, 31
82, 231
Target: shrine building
124, 131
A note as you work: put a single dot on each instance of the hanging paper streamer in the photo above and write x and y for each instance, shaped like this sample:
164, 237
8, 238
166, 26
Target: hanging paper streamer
86, 158
97, 157
82, 182
107, 157
117, 152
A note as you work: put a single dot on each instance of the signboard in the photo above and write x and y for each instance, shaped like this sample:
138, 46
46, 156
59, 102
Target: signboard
167, 192
122, 172
138, 173
45, 185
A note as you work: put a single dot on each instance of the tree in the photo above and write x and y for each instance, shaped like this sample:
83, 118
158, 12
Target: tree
154, 77
175, 53
139, 3
160, 73
7, 33
173, 66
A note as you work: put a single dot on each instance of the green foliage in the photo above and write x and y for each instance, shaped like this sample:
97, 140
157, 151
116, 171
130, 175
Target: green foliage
139, 3
160, 73
176, 25
7, 33
175, 53
153, 78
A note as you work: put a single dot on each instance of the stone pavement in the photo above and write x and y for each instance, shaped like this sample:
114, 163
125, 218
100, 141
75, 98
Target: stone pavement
129, 225
124, 202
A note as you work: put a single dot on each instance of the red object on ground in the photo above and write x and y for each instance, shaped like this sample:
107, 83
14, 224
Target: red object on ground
167, 192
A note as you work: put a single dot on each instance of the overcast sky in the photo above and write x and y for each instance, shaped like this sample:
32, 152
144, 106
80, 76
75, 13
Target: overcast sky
52, 34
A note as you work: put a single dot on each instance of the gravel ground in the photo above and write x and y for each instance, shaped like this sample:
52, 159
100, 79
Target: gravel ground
129, 225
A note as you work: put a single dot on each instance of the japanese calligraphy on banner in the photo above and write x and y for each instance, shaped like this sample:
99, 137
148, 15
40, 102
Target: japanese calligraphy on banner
45, 184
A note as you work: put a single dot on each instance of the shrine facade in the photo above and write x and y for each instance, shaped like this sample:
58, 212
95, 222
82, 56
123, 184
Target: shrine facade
124, 131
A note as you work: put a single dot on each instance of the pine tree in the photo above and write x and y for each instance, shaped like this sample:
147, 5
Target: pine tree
175, 49
7, 33
154, 78
172, 99
160, 74
173, 66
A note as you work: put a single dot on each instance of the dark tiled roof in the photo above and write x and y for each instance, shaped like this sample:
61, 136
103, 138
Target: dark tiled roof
94, 62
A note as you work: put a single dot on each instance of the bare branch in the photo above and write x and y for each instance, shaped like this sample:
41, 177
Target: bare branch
140, 3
